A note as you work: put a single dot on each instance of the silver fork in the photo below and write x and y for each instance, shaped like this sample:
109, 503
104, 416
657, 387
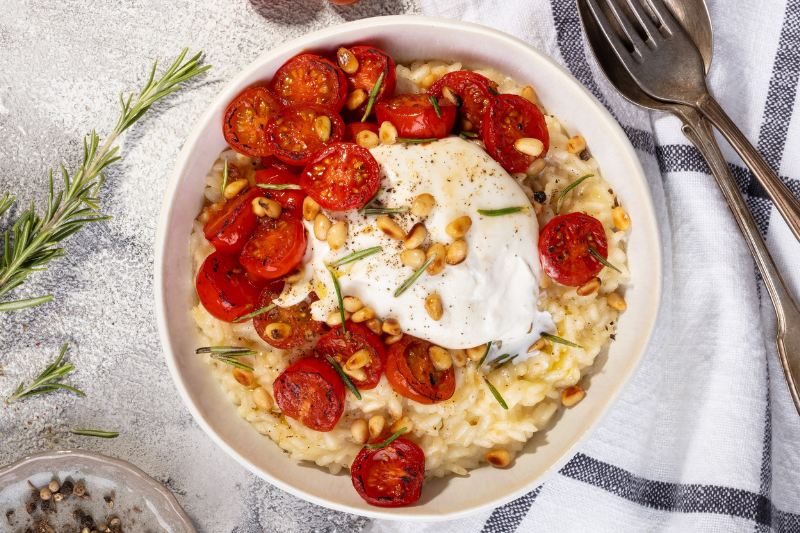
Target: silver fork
668, 66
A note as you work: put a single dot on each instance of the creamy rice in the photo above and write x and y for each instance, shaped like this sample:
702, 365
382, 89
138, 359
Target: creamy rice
455, 434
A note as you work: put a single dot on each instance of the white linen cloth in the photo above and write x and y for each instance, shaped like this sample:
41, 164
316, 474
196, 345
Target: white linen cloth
706, 436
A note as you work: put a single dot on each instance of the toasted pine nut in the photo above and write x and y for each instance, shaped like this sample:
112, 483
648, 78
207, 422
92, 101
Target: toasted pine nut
364, 314
459, 357
576, 144
477, 352
415, 236
367, 139
459, 227
347, 60
536, 167
243, 377
322, 125
456, 100
456, 252
352, 303
412, 258
616, 301
440, 358
391, 339
621, 219
544, 281
466, 125
433, 305
358, 374
263, 400
322, 226
538, 345
278, 331
234, 188
572, 395
359, 430
310, 208
295, 275
258, 209
390, 228
529, 146
376, 424
337, 235
423, 205
498, 458
355, 99
387, 133
402, 422
529, 94
590, 287
335, 319
391, 327
360, 359
266, 207
374, 324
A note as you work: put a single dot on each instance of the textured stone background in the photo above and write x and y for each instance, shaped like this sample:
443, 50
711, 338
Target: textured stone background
63, 64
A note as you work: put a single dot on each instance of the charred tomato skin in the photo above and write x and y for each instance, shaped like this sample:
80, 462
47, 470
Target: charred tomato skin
311, 391
304, 328
292, 134
342, 346
245, 121
226, 290
276, 247
564, 248
411, 373
342, 176
310, 79
391, 476
230, 227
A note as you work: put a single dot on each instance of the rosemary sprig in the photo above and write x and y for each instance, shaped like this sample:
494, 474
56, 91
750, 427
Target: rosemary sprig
338, 296
279, 187
224, 179
466, 134
372, 96
261, 311
385, 210
485, 354
416, 141
559, 340
603, 259
496, 394
6, 202
410, 281
36, 238
344, 376
379, 445
501, 361
95, 433
355, 256
46, 381
504, 211
227, 355
569, 188
369, 202
493, 91
435, 102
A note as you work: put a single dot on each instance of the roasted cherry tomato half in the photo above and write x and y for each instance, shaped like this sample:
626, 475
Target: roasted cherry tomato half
291, 200
508, 118
341, 177
225, 288
298, 317
411, 373
310, 79
354, 128
474, 90
246, 119
564, 248
414, 116
358, 337
277, 246
312, 392
231, 225
294, 136
372, 62
273, 162
390, 476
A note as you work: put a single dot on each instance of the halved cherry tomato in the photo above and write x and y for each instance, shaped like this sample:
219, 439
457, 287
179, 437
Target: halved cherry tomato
354, 128
225, 288
475, 92
411, 373
341, 177
276, 247
415, 117
246, 119
371, 63
298, 317
564, 248
293, 136
229, 227
291, 200
273, 162
312, 392
390, 476
508, 118
358, 337
310, 79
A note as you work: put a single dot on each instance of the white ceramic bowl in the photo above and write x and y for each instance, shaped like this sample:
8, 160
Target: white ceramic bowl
405, 39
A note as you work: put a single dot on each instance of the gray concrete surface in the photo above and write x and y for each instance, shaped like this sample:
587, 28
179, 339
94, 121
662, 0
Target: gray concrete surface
63, 64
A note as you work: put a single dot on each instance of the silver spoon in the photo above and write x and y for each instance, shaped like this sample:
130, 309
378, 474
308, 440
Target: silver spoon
693, 16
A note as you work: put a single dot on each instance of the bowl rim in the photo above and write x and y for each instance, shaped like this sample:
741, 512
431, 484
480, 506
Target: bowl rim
613, 129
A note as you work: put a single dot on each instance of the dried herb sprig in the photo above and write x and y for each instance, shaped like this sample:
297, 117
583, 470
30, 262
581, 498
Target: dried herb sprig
496, 394
261, 311
559, 340
338, 296
435, 102
504, 211
224, 179
369, 202
410, 281
355, 256
465, 134
372, 96
386, 210
485, 354
501, 361
394, 437
344, 376
279, 187
416, 141
46, 381
603, 259
227, 355
569, 188
95, 433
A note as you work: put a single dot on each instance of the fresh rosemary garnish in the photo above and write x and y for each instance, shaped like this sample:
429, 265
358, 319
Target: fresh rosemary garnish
559, 340
224, 179
493, 91
338, 296
602, 259
379, 445
496, 394
485, 354
369, 202
355, 256
504, 211
95, 433
467, 134
227, 354
372, 96
36, 238
263, 310
569, 188
435, 102
344, 376
416, 141
410, 281
501, 361
46, 381
385, 210
279, 187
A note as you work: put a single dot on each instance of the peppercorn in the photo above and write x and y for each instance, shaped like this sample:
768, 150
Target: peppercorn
79, 490
66, 488
87, 521
35, 496
31, 507
45, 505
77, 514
540, 196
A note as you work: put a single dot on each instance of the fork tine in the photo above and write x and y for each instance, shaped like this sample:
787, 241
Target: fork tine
610, 33
667, 20
644, 19
627, 27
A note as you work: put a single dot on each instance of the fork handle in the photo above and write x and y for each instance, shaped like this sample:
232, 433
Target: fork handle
700, 133
788, 206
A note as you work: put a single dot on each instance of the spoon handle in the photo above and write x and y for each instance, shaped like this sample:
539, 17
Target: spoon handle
785, 202
700, 133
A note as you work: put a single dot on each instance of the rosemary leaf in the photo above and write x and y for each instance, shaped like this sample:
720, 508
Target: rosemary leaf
559, 340
410, 281
435, 102
263, 310
95, 433
6, 202
22, 304
416, 141
569, 188
496, 394
501, 362
233, 362
385, 210
355, 256
279, 187
338, 296
379, 445
504, 211
369, 202
344, 377
466, 134
485, 354
232, 350
603, 259
372, 96
493, 91
46, 381
224, 179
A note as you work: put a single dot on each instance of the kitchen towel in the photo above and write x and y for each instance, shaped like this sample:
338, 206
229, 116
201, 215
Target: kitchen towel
706, 437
